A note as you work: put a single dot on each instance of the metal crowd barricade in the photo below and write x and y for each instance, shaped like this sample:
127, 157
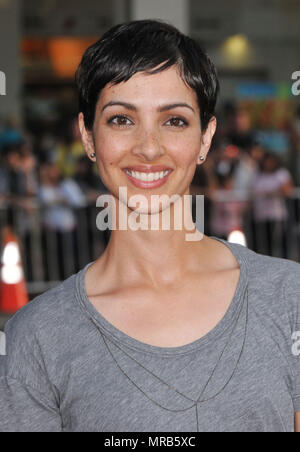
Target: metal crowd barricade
49, 256
276, 238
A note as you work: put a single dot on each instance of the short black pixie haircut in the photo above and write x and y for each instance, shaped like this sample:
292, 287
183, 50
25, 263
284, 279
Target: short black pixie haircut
150, 46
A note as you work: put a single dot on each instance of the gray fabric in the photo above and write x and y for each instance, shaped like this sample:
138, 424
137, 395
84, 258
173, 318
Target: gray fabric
58, 375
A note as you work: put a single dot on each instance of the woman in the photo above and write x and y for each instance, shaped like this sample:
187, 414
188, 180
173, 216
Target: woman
160, 333
271, 186
58, 198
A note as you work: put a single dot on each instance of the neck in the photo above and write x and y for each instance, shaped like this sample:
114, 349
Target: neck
159, 257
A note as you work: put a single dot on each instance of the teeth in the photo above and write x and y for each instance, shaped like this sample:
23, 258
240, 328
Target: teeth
148, 177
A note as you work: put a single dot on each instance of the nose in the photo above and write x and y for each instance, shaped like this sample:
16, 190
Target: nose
148, 146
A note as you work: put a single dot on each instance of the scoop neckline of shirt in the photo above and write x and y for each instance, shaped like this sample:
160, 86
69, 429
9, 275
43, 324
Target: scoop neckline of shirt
116, 335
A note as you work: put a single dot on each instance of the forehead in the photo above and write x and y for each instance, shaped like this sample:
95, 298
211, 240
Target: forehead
158, 88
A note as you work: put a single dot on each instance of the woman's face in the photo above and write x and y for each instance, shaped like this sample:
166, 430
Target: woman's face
147, 136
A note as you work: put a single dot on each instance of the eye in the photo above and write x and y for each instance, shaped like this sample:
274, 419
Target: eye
177, 122
119, 120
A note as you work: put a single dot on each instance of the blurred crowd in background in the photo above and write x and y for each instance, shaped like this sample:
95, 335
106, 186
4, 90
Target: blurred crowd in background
246, 187
239, 173
44, 183
48, 186
48, 169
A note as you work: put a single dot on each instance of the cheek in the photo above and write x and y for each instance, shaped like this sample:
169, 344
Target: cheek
185, 151
109, 150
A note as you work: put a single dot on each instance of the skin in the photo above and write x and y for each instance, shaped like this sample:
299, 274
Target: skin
154, 285
297, 422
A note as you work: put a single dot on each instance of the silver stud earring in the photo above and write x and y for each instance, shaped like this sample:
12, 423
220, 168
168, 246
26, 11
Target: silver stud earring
93, 155
201, 158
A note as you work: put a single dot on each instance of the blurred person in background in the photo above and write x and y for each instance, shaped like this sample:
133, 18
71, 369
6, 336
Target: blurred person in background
271, 185
18, 189
18, 174
295, 139
227, 207
201, 186
257, 153
46, 147
92, 186
88, 181
19, 180
28, 206
58, 198
29, 170
250, 164
12, 183
70, 150
10, 133
244, 173
241, 133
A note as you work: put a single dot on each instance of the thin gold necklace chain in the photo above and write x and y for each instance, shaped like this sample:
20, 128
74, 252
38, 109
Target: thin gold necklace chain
195, 402
162, 381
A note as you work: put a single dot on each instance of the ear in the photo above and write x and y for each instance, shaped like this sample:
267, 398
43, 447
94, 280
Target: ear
87, 139
206, 138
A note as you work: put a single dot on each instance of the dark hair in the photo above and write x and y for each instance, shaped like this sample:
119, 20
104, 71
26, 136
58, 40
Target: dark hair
9, 149
271, 156
142, 46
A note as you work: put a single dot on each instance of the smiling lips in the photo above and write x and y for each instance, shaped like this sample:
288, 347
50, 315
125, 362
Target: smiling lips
148, 177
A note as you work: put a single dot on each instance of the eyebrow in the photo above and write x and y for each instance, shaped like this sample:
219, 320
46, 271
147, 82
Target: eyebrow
160, 109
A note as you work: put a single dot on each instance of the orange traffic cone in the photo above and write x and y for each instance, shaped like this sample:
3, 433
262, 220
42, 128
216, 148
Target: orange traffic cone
13, 291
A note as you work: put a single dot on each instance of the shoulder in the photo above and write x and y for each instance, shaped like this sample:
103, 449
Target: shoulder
275, 270
39, 336
267, 267
274, 284
43, 315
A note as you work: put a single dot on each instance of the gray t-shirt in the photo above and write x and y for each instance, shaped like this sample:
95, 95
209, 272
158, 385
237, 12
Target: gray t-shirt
68, 369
